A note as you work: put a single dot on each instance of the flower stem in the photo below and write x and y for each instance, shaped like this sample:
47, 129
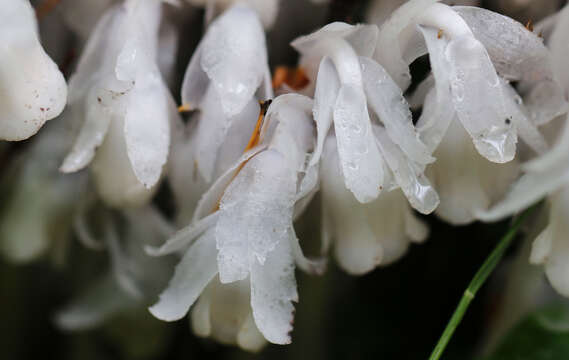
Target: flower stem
478, 280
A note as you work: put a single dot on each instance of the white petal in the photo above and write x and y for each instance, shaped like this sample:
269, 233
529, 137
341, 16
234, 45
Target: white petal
311, 266
200, 314
529, 189
92, 133
408, 175
438, 110
33, 89
209, 202
249, 337
518, 54
541, 247
147, 130
97, 304
356, 248
195, 81
415, 228
361, 37
359, 156
273, 288
327, 87
479, 100
389, 32
255, 214
196, 269
234, 56
418, 96
387, 101
526, 129
185, 236
556, 157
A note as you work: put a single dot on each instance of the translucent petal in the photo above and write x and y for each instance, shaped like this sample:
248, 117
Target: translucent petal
234, 56
438, 111
327, 87
196, 269
408, 175
556, 157
195, 81
92, 133
311, 266
273, 288
359, 156
101, 301
147, 130
479, 100
517, 53
184, 237
530, 188
525, 128
361, 37
249, 337
210, 199
541, 247
388, 38
255, 214
387, 101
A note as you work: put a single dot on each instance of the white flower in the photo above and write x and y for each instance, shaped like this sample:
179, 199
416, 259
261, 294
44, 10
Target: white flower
243, 225
134, 277
547, 174
472, 52
187, 185
125, 106
364, 235
39, 202
465, 181
223, 311
227, 73
347, 81
32, 89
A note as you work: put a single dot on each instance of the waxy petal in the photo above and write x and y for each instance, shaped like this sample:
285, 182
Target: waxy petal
196, 269
359, 156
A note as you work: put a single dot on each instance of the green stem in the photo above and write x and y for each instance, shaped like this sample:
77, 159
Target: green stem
478, 280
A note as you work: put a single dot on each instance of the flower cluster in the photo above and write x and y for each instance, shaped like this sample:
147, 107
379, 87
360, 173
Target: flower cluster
482, 136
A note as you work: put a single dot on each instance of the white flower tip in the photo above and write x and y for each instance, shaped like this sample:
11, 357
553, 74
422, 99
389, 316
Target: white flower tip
163, 312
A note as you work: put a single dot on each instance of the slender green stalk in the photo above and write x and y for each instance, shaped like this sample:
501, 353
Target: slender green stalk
478, 280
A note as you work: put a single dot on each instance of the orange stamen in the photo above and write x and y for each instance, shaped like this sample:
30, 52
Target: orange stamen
253, 141
295, 78
529, 25
440, 34
47, 6
184, 108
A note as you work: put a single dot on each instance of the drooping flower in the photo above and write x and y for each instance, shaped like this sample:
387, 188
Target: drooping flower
223, 311
38, 202
474, 53
243, 224
32, 89
134, 278
126, 109
227, 75
364, 235
546, 175
347, 81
